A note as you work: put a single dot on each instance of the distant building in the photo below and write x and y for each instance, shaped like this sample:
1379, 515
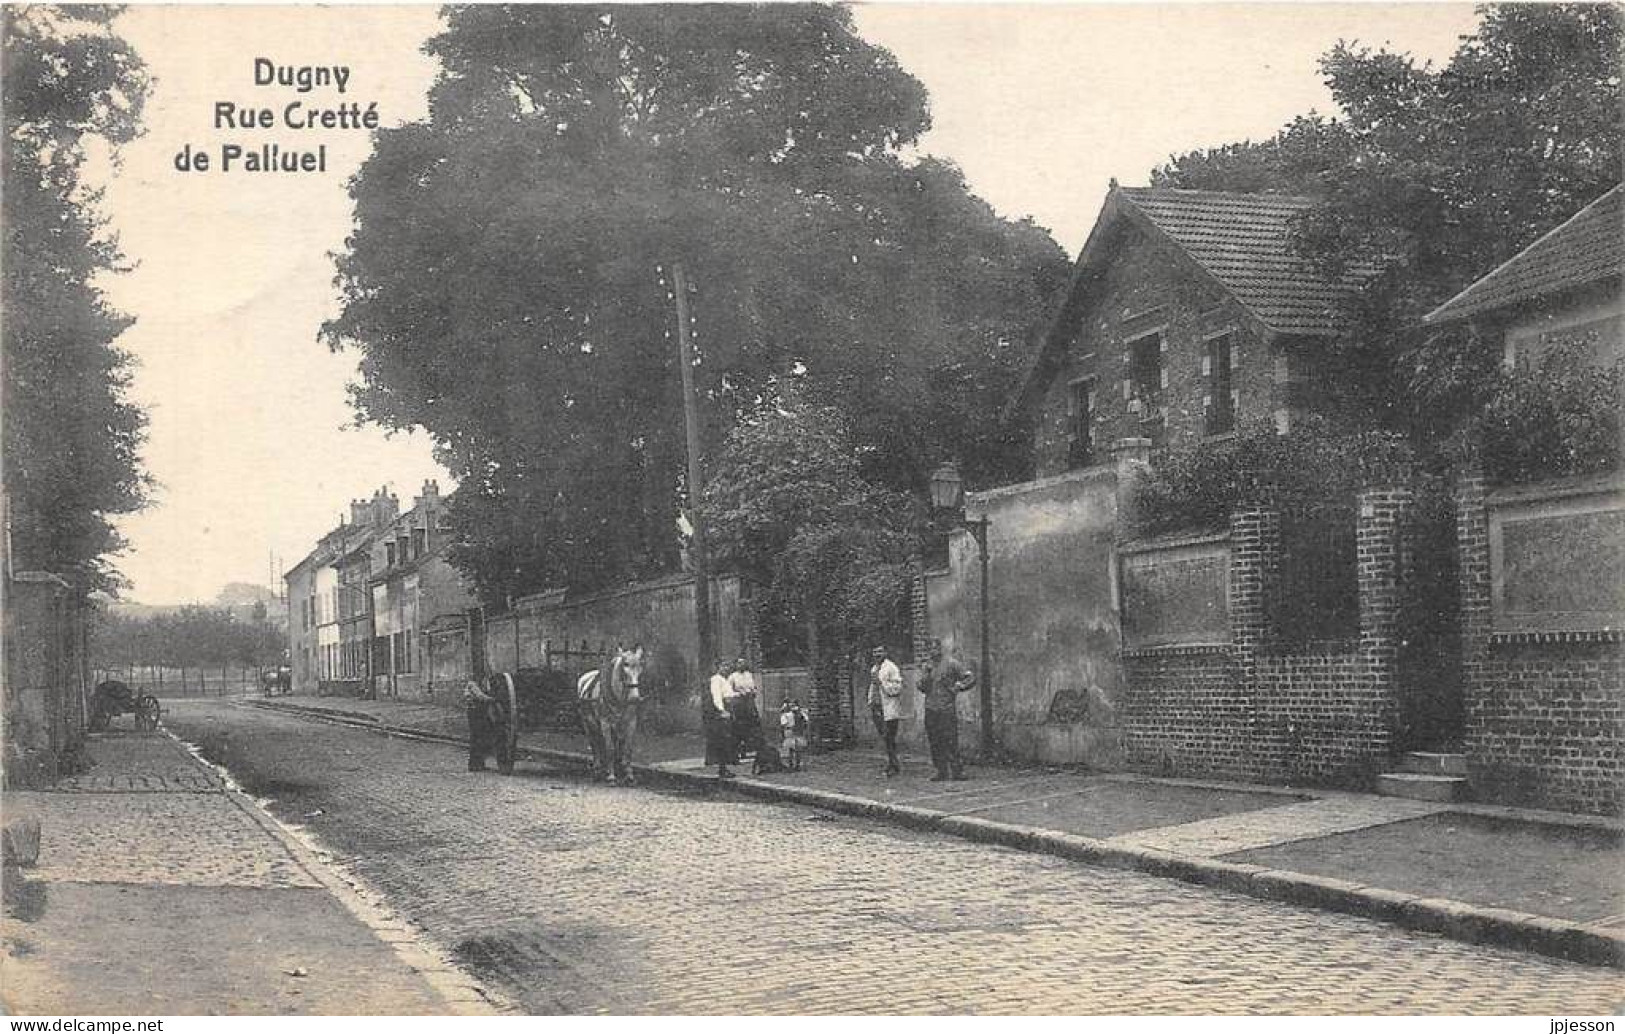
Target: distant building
328, 611
412, 584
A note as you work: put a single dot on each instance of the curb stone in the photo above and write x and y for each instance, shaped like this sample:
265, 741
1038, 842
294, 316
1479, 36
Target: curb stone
1543, 935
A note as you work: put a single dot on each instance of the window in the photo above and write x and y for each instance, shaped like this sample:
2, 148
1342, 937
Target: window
389, 554
1220, 401
1081, 449
420, 540
1145, 376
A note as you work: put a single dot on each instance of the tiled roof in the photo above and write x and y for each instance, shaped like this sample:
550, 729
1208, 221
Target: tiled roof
1590, 247
1244, 242
1241, 241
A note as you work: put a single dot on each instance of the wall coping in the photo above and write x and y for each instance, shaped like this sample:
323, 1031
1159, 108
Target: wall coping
988, 495
1176, 650
1558, 488
1175, 540
1593, 635
556, 599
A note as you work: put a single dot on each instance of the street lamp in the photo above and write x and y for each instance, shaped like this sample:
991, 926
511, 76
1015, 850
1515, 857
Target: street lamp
948, 495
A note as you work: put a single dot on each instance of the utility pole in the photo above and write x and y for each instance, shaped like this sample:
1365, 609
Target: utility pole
691, 427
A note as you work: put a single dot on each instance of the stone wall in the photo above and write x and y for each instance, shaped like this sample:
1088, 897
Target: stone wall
658, 614
1545, 719
1174, 591
1054, 634
46, 690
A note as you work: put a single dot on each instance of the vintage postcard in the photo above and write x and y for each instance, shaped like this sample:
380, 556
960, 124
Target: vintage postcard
875, 509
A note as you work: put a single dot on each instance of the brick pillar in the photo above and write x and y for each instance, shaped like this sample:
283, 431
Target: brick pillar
1255, 551
1377, 542
919, 611
1383, 514
1475, 577
1255, 557
751, 634
1473, 554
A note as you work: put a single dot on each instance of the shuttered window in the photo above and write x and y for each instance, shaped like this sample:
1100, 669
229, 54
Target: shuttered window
1220, 399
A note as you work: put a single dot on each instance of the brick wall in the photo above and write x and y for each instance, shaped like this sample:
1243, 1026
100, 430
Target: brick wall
1545, 723
1250, 711
1189, 712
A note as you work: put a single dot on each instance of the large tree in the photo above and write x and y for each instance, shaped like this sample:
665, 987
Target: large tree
1438, 176
71, 433
508, 284
828, 550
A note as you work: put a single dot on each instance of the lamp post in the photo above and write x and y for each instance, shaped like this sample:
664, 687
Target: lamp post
948, 495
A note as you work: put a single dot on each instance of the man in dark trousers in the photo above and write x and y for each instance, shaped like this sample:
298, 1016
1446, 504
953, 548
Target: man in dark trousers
886, 703
485, 728
942, 682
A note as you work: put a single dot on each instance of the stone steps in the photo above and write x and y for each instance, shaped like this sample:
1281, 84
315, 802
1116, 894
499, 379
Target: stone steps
1427, 776
1423, 762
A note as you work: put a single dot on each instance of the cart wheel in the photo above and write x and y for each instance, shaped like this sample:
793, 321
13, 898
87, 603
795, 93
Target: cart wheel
510, 730
148, 712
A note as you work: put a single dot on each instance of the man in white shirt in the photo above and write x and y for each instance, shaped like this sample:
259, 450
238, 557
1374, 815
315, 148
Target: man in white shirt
886, 703
718, 719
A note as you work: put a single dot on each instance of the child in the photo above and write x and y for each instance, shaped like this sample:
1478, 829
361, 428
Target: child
793, 730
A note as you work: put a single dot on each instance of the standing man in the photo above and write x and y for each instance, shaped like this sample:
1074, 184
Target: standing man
886, 703
484, 729
944, 679
720, 749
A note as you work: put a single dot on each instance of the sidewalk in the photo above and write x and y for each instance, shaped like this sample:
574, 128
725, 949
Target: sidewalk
1546, 882
161, 890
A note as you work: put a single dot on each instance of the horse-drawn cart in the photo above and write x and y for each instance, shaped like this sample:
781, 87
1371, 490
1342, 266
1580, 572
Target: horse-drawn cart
569, 698
113, 698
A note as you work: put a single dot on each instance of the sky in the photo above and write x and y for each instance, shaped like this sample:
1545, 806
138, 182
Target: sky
252, 440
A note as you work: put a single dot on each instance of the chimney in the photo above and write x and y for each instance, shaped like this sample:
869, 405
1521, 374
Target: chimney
428, 501
385, 507
359, 512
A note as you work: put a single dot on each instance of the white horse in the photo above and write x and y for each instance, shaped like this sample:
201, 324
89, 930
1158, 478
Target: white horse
608, 698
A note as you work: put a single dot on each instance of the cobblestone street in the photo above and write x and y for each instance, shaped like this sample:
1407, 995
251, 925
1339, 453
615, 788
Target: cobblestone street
575, 898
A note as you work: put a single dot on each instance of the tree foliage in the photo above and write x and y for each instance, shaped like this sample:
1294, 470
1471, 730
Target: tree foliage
791, 509
71, 434
1558, 414
192, 637
1438, 176
1198, 485
508, 283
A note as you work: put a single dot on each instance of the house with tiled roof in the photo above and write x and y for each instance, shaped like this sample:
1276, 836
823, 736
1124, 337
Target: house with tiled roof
1563, 288
1189, 317
1541, 560
1188, 313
